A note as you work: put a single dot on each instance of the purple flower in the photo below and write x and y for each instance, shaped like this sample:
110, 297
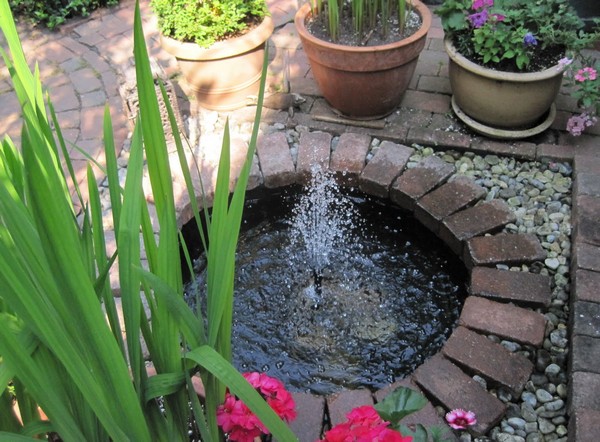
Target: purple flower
478, 19
564, 62
529, 40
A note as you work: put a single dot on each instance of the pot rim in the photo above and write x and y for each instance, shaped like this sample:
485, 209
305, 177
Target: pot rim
221, 49
304, 12
521, 77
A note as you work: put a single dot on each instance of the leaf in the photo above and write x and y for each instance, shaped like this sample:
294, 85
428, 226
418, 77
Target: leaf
419, 434
399, 404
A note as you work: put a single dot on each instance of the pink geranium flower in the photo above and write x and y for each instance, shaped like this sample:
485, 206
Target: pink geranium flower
460, 419
586, 74
478, 4
238, 421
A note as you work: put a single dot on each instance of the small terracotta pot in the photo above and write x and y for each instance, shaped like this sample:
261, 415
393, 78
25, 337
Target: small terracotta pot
363, 82
508, 100
224, 75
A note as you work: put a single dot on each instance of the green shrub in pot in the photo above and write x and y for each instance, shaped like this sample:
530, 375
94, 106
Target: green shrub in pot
205, 22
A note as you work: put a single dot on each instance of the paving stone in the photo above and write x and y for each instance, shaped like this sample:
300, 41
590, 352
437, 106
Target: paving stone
505, 320
432, 102
340, 404
585, 319
555, 152
586, 213
310, 411
586, 256
503, 248
583, 391
427, 416
522, 150
586, 164
504, 285
449, 385
584, 285
416, 182
451, 197
587, 184
314, 150
92, 119
478, 354
64, 98
438, 138
584, 425
387, 163
275, 160
585, 354
86, 80
483, 218
348, 159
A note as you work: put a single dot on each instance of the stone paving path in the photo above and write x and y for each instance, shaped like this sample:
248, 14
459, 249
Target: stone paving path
85, 63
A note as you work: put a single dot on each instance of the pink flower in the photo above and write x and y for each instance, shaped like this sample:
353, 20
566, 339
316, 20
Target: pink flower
460, 419
238, 421
586, 74
478, 4
498, 17
577, 123
564, 62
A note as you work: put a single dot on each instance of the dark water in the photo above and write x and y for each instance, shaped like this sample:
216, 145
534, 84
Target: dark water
387, 300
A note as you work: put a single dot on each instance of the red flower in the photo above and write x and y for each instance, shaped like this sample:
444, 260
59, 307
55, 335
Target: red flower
364, 425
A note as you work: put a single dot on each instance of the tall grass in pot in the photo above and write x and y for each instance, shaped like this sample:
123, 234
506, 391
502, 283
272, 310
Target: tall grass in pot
61, 344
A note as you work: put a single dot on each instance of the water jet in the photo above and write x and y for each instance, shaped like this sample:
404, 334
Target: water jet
338, 290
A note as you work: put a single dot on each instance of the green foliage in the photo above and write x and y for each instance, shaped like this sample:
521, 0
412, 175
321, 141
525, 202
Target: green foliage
498, 42
52, 13
403, 402
364, 14
208, 21
61, 345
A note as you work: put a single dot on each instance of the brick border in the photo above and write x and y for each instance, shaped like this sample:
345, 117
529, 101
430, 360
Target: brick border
416, 189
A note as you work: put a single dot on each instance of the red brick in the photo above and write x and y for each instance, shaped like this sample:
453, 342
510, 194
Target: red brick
504, 285
585, 286
387, 163
438, 138
519, 149
584, 425
504, 320
586, 213
586, 256
314, 150
555, 152
503, 248
421, 179
310, 411
348, 159
86, 80
340, 404
478, 354
64, 98
587, 184
427, 101
584, 391
585, 318
474, 221
451, 197
449, 385
275, 160
586, 164
585, 354
92, 119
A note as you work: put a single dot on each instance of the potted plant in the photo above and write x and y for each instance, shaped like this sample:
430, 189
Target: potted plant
363, 53
507, 61
219, 46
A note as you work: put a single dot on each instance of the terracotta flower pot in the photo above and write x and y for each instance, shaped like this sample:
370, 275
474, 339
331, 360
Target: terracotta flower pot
225, 74
504, 100
363, 82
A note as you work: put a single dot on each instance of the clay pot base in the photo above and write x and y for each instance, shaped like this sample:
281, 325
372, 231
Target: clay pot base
504, 134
